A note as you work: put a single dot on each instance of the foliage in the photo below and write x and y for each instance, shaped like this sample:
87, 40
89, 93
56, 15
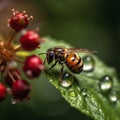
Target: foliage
85, 93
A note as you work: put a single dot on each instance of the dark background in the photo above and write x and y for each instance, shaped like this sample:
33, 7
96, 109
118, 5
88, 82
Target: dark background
92, 24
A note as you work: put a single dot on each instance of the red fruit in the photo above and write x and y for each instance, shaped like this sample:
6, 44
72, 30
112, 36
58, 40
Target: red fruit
20, 89
3, 92
19, 21
30, 40
33, 66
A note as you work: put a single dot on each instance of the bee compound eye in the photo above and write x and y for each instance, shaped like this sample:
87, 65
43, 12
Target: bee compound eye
51, 53
50, 56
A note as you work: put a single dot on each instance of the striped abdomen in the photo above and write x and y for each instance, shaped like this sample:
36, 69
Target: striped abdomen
74, 63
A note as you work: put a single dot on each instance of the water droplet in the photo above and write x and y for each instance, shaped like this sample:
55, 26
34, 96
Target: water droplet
84, 91
106, 84
88, 64
62, 92
113, 97
78, 88
67, 80
72, 94
73, 101
51, 80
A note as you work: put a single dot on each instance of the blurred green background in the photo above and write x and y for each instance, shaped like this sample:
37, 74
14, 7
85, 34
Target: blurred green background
92, 24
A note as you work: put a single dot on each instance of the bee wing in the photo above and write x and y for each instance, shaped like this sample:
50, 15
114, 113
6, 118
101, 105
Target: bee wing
73, 50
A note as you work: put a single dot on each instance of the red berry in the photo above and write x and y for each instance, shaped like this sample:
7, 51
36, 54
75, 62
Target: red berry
30, 40
3, 92
33, 66
19, 21
20, 89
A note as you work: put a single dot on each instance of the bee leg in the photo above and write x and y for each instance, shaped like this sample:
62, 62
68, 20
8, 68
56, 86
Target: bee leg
52, 65
61, 72
44, 61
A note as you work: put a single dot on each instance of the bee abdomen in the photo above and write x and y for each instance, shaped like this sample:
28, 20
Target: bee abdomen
74, 63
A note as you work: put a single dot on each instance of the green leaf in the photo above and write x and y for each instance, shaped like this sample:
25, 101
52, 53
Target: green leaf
85, 93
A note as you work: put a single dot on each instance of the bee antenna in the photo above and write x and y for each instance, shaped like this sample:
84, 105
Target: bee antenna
41, 53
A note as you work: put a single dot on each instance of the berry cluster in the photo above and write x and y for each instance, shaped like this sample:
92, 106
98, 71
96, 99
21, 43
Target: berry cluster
32, 65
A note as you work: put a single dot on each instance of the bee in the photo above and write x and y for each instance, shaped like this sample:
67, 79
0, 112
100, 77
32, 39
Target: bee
66, 56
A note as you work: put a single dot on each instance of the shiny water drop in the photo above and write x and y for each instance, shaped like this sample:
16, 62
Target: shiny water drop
63, 92
84, 91
67, 80
51, 80
78, 89
106, 84
72, 93
88, 64
73, 101
113, 97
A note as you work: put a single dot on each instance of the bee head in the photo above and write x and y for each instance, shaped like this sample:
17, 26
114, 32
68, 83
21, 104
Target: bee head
50, 55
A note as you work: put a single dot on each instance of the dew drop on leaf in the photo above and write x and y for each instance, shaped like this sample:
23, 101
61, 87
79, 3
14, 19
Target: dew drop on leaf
84, 91
113, 97
72, 93
67, 80
51, 80
73, 101
62, 92
88, 64
106, 84
78, 89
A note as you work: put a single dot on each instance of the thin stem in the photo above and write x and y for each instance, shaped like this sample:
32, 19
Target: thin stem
19, 60
18, 48
17, 75
11, 76
1, 61
11, 36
